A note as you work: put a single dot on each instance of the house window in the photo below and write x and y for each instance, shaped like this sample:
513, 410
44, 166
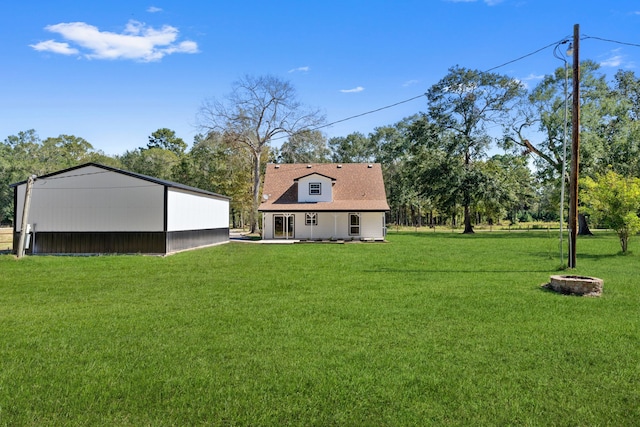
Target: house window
315, 188
354, 224
311, 218
283, 226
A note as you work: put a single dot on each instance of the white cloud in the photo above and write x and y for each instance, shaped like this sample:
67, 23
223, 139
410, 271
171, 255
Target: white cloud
137, 42
617, 60
153, 9
613, 61
300, 69
410, 83
55, 47
188, 47
535, 77
530, 78
354, 90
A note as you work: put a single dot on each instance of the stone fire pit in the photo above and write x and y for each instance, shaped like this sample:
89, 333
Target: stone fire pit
576, 285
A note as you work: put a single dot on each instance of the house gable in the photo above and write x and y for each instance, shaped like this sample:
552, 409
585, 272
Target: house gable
314, 188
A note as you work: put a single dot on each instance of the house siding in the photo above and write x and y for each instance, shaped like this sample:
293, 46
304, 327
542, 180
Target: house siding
372, 225
327, 227
330, 225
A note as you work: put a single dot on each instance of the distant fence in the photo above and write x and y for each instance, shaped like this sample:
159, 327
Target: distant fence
6, 239
505, 226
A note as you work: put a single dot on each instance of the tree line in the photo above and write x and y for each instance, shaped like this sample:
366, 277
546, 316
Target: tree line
485, 149
211, 163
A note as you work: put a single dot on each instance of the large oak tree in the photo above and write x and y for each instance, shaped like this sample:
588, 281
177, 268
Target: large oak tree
465, 103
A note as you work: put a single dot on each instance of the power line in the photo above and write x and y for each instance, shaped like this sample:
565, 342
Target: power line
557, 53
554, 44
424, 94
370, 112
356, 116
610, 41
527, 55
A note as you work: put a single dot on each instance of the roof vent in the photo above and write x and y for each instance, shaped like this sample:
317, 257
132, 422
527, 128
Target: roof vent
369, 166
339, 166
277, 166
308, 166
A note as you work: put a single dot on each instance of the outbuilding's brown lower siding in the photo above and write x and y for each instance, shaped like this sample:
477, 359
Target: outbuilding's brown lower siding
95, 243
181, 240
121, 242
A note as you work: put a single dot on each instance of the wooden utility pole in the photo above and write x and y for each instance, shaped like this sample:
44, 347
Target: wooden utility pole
575, 150
25, 217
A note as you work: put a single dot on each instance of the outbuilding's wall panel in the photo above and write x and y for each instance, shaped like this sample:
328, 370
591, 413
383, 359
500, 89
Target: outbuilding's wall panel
192, 211
92, 199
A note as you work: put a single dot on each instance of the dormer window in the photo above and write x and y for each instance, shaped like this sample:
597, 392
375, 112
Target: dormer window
315, 188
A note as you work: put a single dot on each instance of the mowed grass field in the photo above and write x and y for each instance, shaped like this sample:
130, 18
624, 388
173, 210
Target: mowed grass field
428, 329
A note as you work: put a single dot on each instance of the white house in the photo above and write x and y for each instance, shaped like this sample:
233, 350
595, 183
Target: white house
324, 201
94, 208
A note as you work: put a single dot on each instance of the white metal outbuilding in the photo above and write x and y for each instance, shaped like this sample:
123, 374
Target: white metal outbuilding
94, 208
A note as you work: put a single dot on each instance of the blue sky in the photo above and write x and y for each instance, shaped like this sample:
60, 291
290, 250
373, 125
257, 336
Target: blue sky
114, 71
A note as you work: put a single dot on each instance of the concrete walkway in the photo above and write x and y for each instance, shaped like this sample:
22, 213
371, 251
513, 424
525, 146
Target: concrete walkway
240, 236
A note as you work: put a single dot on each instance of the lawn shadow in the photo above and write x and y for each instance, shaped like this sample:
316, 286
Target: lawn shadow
467, 271
457, 234
595, 257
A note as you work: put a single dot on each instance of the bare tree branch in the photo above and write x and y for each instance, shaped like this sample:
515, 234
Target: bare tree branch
257, 110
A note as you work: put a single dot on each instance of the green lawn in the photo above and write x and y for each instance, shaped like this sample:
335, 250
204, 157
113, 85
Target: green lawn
428, 329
